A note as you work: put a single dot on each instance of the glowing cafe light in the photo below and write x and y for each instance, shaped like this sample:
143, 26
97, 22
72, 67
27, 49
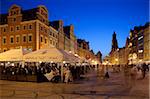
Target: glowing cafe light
64, 62
116, 59
52, 62
40, 61
12, 64
92, 61
76, 54
2, 64
95, 62
140, 60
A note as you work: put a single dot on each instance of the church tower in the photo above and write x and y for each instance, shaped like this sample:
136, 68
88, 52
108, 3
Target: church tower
114, 42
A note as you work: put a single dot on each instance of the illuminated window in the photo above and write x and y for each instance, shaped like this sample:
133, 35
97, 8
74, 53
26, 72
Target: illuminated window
140, 37
140, 51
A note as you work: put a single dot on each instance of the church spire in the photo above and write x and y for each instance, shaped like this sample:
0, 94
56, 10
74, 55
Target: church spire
114, 42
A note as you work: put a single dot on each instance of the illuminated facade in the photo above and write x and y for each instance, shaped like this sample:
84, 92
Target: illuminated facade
31, 30
139, 44
147, 43
85, 52
27, 28
137, 47
70, 39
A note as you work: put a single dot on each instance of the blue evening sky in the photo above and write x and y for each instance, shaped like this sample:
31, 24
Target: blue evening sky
94, 20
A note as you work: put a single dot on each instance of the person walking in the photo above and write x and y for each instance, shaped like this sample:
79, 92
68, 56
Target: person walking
106, 72
144, 68
67, 74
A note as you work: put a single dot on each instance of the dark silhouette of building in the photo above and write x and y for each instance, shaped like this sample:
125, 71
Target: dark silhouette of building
99, 56
114, 42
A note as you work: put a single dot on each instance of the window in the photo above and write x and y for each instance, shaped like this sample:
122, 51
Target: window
30, 26
24, 27
41, 38
4, 29
41, 28
11, 29
53, 42
17, 27
24, 38
17, 39
11, 39
4, 40
30, 38
45, 40
56, 44
50, 41
14, 19
50, 33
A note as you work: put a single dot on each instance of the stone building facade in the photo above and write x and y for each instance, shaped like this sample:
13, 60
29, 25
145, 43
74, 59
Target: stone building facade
32, 30
27, 28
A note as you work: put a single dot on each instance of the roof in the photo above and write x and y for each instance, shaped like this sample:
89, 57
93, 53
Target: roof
3, 19
26, 14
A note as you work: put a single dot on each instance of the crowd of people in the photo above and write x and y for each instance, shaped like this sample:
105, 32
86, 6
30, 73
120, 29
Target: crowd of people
53, 71
133, 71
45, 71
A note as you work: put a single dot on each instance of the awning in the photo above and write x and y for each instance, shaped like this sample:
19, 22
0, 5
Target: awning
13, 55
48, 55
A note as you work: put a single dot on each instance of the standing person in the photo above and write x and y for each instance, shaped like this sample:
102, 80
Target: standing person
106, 72
67, 74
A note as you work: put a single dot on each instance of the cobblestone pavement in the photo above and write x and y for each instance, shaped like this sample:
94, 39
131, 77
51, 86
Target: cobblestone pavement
91, 87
